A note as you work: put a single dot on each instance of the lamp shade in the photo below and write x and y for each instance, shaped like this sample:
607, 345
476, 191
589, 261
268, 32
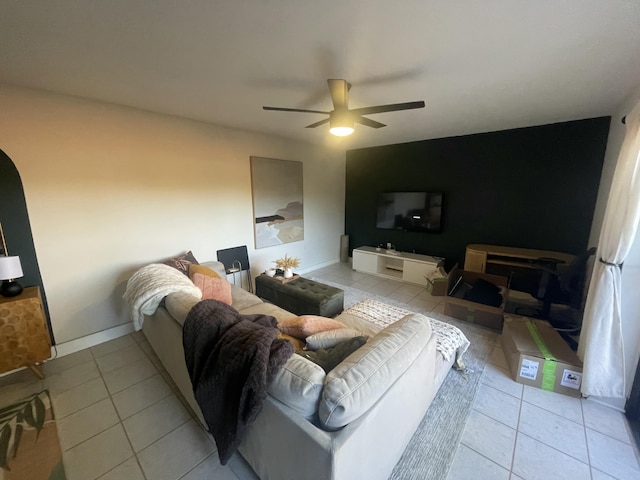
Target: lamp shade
10, 268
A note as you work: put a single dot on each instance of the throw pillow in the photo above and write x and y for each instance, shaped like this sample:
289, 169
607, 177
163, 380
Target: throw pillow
196, 268
331, 338
213, 288
182, 262
305, 325
329, 358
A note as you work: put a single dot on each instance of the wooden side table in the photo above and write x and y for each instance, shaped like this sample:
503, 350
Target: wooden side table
24, 336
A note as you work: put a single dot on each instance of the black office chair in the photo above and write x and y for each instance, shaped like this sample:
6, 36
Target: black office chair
557, 287
566, 288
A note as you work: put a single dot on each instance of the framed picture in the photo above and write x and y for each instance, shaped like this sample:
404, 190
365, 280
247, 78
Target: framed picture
277, 201
3, 244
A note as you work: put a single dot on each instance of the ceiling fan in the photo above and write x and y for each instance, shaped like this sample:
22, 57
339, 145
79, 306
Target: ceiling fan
341, 119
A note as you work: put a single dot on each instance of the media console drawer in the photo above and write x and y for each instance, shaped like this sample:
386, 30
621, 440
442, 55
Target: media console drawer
404, 266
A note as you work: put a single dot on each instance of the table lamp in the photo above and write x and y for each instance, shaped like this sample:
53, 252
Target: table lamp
10, 269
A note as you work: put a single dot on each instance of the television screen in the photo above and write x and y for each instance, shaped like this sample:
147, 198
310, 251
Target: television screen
410, 211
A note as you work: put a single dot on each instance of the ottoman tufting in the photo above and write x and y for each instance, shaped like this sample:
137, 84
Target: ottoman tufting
301, 296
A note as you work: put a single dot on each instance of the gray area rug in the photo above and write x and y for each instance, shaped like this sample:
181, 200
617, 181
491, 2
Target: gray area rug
430, 453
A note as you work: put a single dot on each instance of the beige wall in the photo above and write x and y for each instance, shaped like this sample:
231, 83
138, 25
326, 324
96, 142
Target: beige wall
110, 189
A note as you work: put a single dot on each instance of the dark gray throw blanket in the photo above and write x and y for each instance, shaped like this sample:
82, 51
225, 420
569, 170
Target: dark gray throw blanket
231, 359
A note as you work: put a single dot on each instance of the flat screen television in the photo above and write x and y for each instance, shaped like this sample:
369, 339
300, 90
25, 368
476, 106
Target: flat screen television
410, 211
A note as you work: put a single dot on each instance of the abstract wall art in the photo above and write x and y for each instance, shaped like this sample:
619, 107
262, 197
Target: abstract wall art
277, 201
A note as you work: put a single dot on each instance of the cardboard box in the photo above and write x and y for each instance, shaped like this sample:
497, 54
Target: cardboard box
538, 356
478, 313
437, 287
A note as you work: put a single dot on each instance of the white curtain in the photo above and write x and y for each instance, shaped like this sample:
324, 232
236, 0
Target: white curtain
601, 347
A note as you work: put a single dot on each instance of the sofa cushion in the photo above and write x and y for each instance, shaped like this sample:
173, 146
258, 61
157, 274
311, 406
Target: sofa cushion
330, 338
243, 299
305, 325
299, 384
213, 288
364, 376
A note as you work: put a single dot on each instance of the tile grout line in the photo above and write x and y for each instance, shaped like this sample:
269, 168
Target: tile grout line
135, 454
461, 442
515, 441
110, 397
119, 418
483, 456
586, 440
177, 394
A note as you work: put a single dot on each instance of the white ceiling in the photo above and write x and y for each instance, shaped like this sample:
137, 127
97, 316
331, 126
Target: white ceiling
478, 65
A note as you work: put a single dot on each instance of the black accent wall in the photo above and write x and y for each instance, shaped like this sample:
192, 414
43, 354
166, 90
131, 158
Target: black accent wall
532, 187
14, 218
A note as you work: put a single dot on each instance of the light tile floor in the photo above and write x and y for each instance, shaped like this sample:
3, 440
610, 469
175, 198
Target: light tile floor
120, 416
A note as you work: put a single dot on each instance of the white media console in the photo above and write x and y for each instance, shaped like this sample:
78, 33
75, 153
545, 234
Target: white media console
408, 267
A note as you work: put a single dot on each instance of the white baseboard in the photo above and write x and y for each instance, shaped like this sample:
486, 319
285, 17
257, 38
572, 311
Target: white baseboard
317, 266
92, 340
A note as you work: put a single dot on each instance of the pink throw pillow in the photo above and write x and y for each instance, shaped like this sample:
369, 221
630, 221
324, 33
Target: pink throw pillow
213, 288
305, 325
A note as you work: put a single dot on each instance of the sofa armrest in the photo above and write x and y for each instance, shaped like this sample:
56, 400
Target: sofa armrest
178, 305
357, 383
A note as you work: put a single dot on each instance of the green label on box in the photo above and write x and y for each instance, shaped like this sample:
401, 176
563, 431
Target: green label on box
550, 363
470, 314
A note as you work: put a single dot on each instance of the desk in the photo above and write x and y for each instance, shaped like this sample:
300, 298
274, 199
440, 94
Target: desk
479, 257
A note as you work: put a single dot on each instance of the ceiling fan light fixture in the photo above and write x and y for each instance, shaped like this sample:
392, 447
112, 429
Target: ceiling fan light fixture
340, 125
341, 130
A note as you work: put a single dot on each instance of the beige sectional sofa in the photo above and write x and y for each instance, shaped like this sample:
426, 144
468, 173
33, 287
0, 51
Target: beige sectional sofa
353, 422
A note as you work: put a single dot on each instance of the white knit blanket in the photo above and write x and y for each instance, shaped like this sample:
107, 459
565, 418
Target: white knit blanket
449, 339
149, 285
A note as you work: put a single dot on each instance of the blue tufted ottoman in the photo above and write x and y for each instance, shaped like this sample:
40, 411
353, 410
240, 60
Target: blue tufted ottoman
301, 296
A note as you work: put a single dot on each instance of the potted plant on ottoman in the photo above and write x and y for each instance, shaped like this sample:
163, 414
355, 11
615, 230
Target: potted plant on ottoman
287, 264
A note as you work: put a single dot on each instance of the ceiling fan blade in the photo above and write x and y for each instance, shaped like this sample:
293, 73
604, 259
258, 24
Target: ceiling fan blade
317, 124
302, 110
388, 108
339, 89
368, 122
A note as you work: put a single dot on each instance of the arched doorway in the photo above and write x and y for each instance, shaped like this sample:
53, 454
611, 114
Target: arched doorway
14, 218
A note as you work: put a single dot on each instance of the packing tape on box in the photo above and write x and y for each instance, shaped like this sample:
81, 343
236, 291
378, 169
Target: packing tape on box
470, 316
550, 362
